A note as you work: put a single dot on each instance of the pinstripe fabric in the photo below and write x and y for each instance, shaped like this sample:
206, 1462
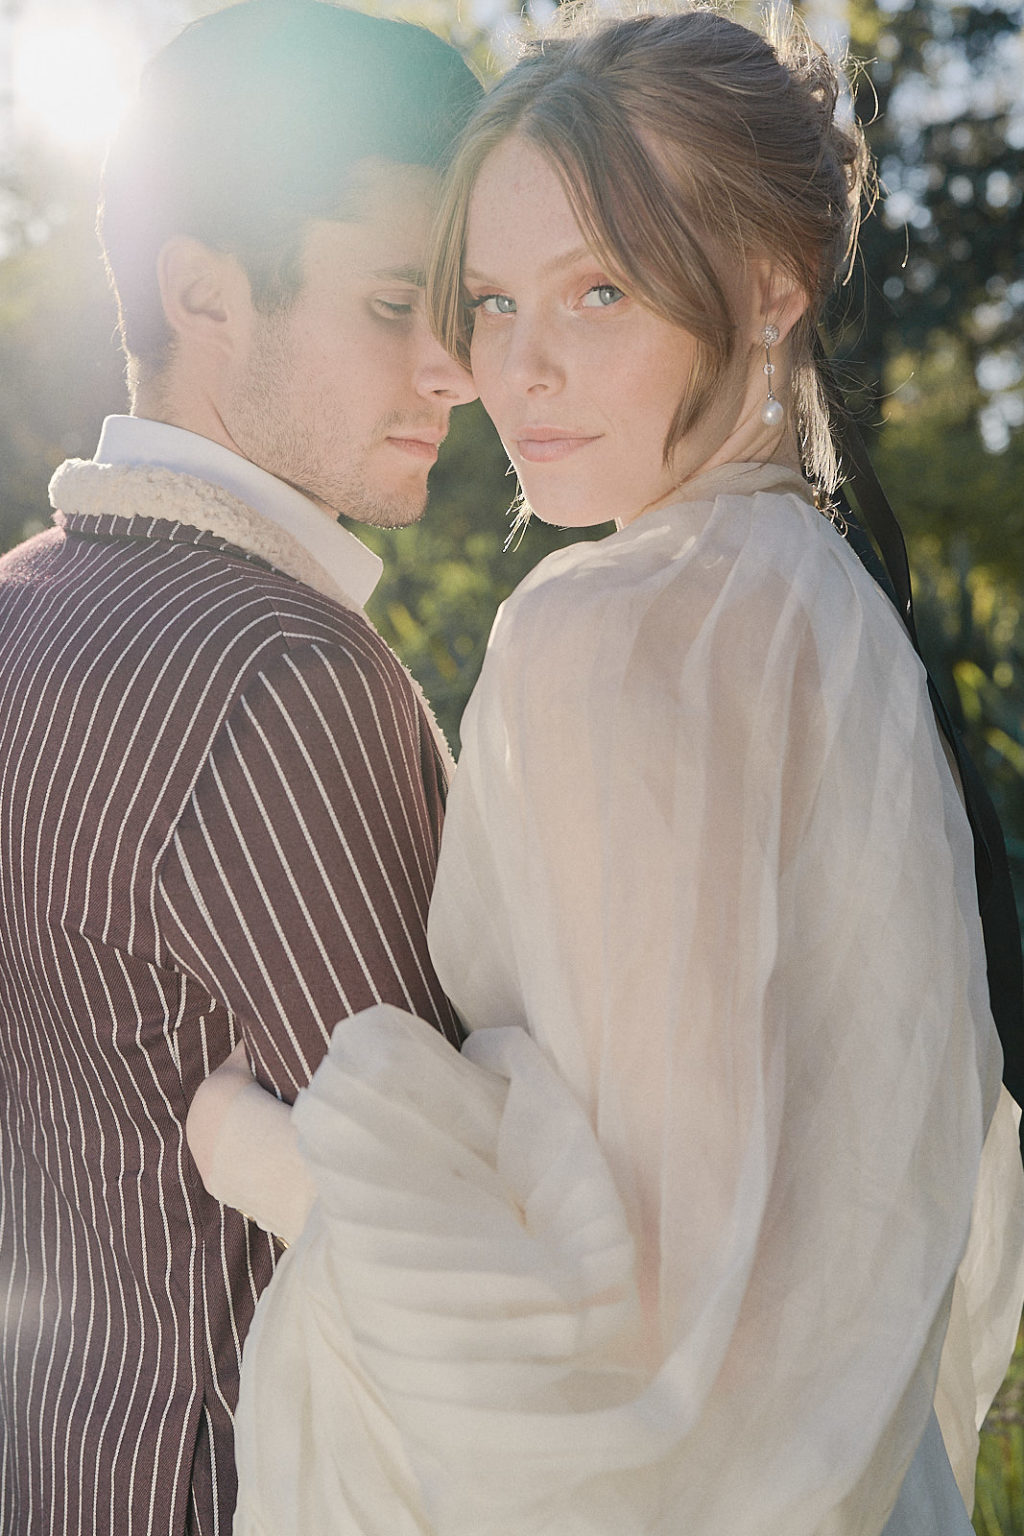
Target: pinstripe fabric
220, 804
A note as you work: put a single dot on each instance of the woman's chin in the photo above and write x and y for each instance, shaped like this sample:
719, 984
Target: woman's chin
568, 511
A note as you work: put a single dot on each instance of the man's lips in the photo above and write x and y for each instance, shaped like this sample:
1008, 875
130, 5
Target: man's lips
421, 446
545, 445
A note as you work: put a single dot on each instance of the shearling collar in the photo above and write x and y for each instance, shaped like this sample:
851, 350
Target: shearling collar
140, 501
129, 497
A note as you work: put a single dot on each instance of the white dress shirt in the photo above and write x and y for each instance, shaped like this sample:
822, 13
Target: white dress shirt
134, 440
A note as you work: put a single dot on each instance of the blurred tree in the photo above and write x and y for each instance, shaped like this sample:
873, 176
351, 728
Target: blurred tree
945, 256
60, 367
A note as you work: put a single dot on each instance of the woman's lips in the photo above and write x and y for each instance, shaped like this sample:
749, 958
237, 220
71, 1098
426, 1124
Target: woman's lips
545, 445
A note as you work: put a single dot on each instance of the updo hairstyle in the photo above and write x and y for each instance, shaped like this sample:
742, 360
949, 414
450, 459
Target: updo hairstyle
682, 141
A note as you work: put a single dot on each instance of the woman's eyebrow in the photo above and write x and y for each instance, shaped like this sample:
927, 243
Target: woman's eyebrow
556, 264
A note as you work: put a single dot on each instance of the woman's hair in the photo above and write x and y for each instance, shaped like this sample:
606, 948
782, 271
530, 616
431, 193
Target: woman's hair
683, 142
251, 123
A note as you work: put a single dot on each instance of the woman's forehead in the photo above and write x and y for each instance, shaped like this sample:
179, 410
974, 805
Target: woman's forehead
519, 207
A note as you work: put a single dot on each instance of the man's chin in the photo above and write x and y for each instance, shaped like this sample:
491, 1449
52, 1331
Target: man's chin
384, 515
378, 511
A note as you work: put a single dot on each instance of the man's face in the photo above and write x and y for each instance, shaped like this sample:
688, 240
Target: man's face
345, 393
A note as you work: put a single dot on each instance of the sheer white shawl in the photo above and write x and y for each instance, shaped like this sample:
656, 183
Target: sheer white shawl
673, 1246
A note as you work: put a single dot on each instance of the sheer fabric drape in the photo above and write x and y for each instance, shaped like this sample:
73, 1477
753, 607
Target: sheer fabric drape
673, 1245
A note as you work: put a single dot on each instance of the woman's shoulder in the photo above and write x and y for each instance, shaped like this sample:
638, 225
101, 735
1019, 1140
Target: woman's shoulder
752, 568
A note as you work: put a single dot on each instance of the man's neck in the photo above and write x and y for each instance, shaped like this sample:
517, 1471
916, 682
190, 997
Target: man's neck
165, 398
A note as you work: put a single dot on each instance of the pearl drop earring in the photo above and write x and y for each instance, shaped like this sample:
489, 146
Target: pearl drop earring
772, 412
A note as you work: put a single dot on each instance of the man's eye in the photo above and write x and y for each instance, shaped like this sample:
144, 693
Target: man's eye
602, 296
494, 304
393, 309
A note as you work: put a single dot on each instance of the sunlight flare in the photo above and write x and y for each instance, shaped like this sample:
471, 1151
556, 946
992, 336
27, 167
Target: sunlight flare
71, 81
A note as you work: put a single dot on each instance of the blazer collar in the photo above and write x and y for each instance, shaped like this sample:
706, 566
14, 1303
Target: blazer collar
147, 469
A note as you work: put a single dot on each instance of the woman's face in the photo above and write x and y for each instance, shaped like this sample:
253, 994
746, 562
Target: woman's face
581, 381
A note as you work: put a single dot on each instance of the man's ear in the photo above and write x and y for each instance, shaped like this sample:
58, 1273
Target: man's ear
206, 295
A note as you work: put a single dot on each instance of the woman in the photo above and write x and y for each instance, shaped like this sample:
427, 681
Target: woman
674, 1245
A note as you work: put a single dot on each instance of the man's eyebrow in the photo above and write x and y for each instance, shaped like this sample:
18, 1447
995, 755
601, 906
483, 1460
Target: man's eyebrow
416, 276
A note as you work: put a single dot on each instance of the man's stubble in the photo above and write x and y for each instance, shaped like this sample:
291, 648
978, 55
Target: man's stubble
315, 451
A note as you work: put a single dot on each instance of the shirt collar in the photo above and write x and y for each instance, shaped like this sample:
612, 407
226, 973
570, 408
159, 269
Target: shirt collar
134, 440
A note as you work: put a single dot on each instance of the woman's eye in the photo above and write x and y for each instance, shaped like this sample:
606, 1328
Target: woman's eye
494, 304
602, 296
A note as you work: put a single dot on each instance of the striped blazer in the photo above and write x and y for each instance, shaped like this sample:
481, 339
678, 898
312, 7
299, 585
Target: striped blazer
220, 806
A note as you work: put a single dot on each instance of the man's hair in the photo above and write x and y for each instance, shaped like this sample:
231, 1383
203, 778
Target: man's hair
250, 124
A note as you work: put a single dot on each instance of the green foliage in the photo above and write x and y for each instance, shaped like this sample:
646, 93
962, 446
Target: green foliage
999, 1488
942, 480
963, 511
972, 630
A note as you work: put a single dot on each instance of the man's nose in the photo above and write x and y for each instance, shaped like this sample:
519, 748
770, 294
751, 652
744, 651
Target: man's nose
441, 377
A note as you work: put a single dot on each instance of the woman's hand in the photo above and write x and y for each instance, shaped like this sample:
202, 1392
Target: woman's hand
210, 1107
246, 1149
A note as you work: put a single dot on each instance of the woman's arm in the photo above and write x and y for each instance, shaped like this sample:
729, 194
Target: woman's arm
246, 1149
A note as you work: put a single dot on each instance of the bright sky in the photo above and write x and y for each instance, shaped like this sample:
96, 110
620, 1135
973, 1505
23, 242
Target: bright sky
70, 66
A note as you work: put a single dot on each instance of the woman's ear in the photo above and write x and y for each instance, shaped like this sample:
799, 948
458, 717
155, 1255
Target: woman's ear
781, 300
206, 296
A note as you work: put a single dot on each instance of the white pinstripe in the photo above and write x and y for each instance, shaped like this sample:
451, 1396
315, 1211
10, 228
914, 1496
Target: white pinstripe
310, 844
196, 890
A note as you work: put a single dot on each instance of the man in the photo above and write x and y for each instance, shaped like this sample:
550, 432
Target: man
220, 794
